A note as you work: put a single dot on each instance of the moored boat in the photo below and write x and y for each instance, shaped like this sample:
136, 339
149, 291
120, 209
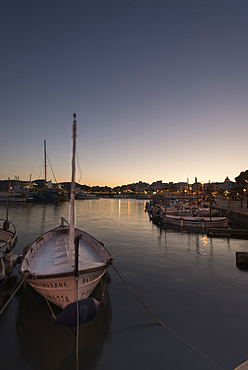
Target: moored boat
198, 222
50, 262
8, 236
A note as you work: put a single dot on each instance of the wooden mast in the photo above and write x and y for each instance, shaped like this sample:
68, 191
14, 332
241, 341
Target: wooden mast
45, 158
72, 198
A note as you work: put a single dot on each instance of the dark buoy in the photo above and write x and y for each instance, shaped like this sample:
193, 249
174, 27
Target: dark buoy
88, 309
242, 260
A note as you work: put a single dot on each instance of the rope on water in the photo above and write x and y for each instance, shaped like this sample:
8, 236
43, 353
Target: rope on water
166, 327
155, 317
16, 290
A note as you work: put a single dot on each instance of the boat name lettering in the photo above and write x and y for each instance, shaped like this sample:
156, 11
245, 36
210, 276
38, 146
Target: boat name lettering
54, 285
59, 298
86, 293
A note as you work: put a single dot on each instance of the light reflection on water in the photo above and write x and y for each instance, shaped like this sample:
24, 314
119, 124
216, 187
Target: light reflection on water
188, 280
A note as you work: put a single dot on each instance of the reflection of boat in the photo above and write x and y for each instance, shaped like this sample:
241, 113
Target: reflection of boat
36, 330
49, 264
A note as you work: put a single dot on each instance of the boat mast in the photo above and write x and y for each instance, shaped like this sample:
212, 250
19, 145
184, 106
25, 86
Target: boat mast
196, 189
71, 235
6, 223
45, 163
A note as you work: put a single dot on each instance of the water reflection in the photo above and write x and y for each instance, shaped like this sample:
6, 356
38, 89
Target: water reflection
190, 281
52, 345
196, 244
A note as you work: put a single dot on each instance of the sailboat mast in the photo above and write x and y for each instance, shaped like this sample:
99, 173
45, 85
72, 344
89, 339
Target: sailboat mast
45, 163
72, 198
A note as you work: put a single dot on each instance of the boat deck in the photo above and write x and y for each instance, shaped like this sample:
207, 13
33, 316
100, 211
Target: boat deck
53, 257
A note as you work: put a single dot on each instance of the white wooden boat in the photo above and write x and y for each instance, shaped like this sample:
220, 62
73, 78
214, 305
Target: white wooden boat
198, 222
8, 237
50, 262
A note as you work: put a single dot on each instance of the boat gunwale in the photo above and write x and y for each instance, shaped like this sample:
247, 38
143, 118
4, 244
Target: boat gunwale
195, 219
31, 276
62, 229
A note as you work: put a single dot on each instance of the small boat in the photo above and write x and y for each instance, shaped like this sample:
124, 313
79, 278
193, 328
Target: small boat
196, 222
12, 196
83, 195
54, 259
8, 240
8, 237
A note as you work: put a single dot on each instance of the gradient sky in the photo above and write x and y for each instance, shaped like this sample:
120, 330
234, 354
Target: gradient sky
160, 89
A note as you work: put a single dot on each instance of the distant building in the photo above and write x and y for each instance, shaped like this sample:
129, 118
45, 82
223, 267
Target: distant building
181, 187
157, 185
141, 187
227, 184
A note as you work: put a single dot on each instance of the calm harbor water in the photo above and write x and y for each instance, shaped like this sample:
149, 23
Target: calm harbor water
189, 281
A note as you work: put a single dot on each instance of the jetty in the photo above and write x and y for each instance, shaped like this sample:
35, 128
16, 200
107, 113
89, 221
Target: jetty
237, 212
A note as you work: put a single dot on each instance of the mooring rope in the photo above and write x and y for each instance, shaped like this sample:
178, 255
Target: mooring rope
16, 290
155, 317
53, 315
166, 327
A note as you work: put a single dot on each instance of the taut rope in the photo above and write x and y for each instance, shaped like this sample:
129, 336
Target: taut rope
166, 327
16, 290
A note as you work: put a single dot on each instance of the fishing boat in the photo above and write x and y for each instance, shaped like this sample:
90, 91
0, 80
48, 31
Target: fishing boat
8, 237
56, 258
196, 222
8, 240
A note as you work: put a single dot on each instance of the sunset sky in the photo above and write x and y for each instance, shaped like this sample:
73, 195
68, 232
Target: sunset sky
160, 88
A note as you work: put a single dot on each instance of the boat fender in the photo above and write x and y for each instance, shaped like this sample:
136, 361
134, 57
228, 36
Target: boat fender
88, 309
19, 259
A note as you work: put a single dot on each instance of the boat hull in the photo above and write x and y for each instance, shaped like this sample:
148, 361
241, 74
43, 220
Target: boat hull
62, 290
196, 222
56, 281
8, 237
